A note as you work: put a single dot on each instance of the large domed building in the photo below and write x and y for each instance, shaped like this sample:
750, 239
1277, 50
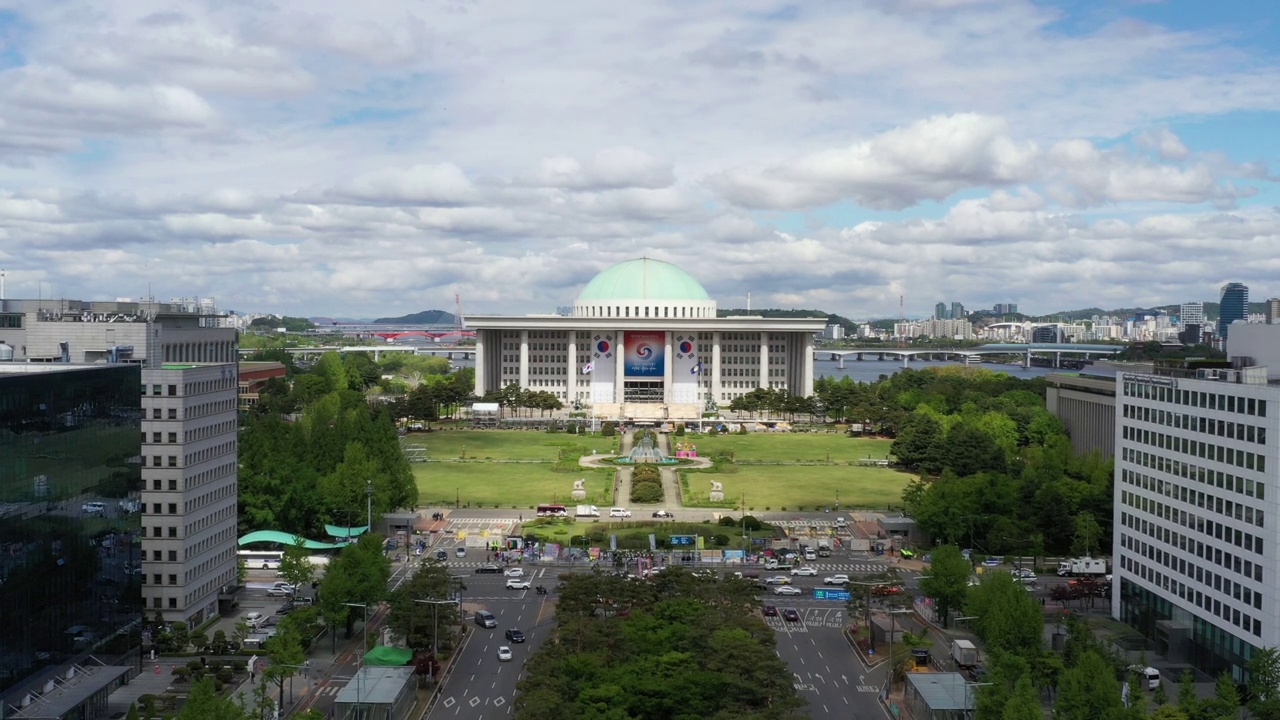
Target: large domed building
644, 342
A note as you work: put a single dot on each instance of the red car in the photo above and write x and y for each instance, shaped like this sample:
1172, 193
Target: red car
770, 611
790, 615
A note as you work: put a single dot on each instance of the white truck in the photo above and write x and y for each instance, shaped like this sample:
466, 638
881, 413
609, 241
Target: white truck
1082, 566
964, 653
586, 511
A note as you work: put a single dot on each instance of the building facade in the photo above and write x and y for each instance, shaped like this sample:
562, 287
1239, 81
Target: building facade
187, 361
69, 521
1086, 405
1191, 313
1195, 537
644, 341
1233, 306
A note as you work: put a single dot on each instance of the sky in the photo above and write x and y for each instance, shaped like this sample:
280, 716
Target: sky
378, 158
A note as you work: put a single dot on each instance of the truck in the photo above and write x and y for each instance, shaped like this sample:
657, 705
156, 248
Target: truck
586, 511
824, 547
1082, 566
964, 653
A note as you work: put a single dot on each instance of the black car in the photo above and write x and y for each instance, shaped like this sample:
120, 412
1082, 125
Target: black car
770, 611
286, 608
662, 514
790, 615
441, 555
491, 568
515, 636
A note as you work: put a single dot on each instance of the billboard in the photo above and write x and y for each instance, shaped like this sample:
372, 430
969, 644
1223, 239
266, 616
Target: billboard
645, 354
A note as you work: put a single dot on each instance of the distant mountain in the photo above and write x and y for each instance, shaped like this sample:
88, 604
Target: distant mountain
322, 321
426, 317
832, 319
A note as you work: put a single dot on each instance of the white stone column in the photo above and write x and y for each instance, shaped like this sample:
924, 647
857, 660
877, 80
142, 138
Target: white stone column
715, 367
619, 367
571, 377
763, 379
668, 368
480, 364
524, 359
806, 380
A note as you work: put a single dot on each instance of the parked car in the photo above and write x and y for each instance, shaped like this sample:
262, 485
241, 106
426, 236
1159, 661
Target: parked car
254, 619
513, 572
442, 555
664, 514
791, 615
778, 580
490, 569
786, 590
504, 653
281, 589
515, 636
619, 513
836, 580
805, 570
770, 611
518, 584
94, 508
1024, 573
460, 551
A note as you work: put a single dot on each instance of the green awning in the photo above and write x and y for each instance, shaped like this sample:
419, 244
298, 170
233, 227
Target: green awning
383, 656
286, 540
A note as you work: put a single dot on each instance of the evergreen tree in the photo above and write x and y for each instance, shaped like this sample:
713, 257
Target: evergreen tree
1089, 691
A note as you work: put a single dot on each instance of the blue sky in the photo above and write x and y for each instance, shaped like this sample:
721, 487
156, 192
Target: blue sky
377, 159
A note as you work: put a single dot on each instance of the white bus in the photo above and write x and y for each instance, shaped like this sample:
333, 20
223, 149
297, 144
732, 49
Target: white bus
261, 559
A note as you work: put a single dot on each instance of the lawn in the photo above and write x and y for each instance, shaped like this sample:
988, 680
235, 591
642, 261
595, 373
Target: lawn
799, 487
503, 444
790, 447
508, 485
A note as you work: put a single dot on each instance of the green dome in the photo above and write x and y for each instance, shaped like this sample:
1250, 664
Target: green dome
643, 279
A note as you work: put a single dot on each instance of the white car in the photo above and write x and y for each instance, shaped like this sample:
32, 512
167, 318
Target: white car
518, 584
786, 590
619, 512
778, 580
805, 570
281, 590
504, 654
1024, 573
514, 572
836, 580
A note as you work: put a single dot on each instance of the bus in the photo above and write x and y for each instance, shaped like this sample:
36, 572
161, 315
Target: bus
553, 511
261, 559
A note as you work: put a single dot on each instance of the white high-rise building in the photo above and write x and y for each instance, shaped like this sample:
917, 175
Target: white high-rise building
1196, 515
1191, 313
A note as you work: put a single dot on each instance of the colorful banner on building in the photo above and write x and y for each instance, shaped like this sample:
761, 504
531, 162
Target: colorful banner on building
684, 366
645, 354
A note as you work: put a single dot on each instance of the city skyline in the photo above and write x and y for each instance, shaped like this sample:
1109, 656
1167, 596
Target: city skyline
376, 161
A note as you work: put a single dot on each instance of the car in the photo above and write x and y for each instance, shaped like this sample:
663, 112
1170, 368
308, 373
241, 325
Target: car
663, 514
286, 608
619, 513
518, 584
993, 561
281, 590
253, 619
485, 619
515, 636
791, 615
442, 555
489, 569
786, 590
770, 611
460, 551
805, 570
1024, 573
513, 572
504, 653
778, 580
94, 508
836, 580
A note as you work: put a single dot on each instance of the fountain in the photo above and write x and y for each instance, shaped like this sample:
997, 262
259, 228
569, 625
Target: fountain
646, 451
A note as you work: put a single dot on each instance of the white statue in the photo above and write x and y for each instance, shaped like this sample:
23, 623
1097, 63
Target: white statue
579, 484
717, 486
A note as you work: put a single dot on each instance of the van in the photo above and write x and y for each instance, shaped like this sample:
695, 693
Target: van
485, 619
94, 508
1150, 676
619, 513
809, 554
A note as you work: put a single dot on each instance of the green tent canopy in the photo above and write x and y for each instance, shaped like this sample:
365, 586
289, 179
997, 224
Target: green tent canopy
383, 656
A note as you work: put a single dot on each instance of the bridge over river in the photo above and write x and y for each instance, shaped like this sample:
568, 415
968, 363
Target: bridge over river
973, 354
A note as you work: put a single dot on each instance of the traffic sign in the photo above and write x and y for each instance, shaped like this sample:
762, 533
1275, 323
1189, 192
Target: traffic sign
681, 540
821, 594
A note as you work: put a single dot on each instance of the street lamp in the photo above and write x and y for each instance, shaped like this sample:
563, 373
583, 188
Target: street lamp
435, 628
364, 632
888, 675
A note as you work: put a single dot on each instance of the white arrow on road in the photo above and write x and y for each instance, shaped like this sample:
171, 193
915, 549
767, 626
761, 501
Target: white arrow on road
862, 678
845, 679
819, 676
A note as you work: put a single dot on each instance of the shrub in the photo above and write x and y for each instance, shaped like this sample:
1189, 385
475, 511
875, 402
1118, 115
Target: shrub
720, 540
728, 521
646, 473
752, 523
679, 429
646, 493
712, 431
608, 430
181, 672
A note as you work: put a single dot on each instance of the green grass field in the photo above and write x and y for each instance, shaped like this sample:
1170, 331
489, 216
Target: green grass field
503, 444
519, 485
801, 486
790, 447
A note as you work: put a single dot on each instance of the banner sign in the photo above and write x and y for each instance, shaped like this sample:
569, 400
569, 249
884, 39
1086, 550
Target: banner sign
645, 354
680, 540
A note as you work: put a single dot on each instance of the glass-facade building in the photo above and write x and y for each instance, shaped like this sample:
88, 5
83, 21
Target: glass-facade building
1233, 306
69, 537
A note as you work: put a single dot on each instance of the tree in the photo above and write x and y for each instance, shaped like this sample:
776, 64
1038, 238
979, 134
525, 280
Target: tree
918, 442
970, 451
359, 575
204, 704
1024, 704
284, 650
419, 622
1089, 691
1087, 535
1006, 617
1225, 702
295, 566
1188, 702
1263, 684
948, 581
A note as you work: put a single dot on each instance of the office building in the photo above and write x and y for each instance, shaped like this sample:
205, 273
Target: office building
1272, 311
69, 587
957, 311
1006, 309
1046, 334
1196, 511
1191, 313
189, 377
1233, 306
644, 341
1085, 401
951, 329
940, 312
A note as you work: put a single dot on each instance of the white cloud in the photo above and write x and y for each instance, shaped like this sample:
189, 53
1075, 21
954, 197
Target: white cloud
441, 184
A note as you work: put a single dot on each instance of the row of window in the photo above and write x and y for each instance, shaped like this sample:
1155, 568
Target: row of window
1219, 557
200, 352
1205, 526
1202, 425
1196, 398
1208, 603
1209, 501
1207, 578
1213, 453
159, 602
659, 311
